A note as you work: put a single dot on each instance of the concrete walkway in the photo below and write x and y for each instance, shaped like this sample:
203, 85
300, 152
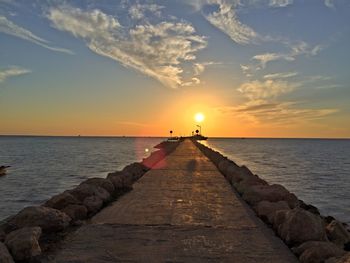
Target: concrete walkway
183, 210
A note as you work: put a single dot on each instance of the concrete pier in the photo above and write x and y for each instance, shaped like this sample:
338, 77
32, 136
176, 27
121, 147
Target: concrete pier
182, 210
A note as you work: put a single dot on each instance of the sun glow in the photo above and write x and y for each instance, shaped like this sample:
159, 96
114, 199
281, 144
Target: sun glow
199, 117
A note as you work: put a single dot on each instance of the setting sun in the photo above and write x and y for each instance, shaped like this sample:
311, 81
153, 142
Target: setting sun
199, 117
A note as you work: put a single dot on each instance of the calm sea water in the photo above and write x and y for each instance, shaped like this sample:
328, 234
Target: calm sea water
44, 166
317, 171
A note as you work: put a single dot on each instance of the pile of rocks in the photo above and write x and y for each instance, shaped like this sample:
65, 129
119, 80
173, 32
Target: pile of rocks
311, 236
22, 236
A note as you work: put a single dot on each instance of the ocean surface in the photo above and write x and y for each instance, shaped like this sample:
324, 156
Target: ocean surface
317, 171
44, 166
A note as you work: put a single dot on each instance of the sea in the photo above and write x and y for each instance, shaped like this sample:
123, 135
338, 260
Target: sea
316, 170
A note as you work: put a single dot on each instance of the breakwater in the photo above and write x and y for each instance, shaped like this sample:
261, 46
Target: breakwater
311, 236
35, 230
182, 210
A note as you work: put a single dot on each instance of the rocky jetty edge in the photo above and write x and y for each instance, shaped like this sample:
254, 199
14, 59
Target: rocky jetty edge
311, 236
37, 229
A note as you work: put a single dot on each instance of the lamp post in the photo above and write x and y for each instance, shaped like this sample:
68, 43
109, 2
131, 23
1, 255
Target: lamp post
171, 133
200, 129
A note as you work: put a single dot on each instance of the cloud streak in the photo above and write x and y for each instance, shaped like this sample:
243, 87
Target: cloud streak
10, 28
156, 50
225, 19
12, 72
280, 3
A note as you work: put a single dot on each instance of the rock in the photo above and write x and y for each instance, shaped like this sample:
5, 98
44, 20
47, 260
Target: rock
93, 204
76, 212
62, 200
308, 207
85, 190
266, 210
317, 251
278, 218
300, 226
246, 184
136, 170
343, 259
47, 218
24, 243
101, 182
272, 193
2, 235
223, 165
233, 174
337, 233
5, 256
121, 180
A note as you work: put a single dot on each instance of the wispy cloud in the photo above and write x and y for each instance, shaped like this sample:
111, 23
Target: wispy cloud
138, 11
10, 28
12, 72
157, 50
199, 68
329, 3
277, 113
280, 3
257, 90
225, 19
297, 49
281, 75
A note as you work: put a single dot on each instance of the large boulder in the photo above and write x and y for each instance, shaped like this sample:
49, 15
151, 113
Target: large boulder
308, 207
317, 251
76, 212
223, 165
121, 179
85, 190
24, 243
62, 200
101, 182
136, 170
244, 185
266, 209
300, 226
278, 218
49, 219
5, 256
337, 233
343, 259
93, 204
2, 235
272, 193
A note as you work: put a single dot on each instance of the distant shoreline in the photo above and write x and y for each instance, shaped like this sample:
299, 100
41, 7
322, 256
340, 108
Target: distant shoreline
132, 136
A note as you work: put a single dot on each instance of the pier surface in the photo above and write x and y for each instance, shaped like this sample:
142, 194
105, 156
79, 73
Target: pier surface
183, 210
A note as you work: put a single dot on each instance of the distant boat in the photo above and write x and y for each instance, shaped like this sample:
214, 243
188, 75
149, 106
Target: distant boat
3, 170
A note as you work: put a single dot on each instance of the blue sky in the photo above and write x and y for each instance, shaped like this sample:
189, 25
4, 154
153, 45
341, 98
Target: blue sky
262, 68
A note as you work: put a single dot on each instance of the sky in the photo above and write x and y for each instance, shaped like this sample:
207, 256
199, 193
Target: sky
253, 68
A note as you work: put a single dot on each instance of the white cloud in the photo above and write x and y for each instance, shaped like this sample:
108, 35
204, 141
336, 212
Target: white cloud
137, 11
268, 57
257, 90
297, 49
283, 75
12, 72
156, 50
280, 3
199, 68
329, 3
225, 19
277, 113
8, 27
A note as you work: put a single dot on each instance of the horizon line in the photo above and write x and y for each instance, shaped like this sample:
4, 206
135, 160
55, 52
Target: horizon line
158, 136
